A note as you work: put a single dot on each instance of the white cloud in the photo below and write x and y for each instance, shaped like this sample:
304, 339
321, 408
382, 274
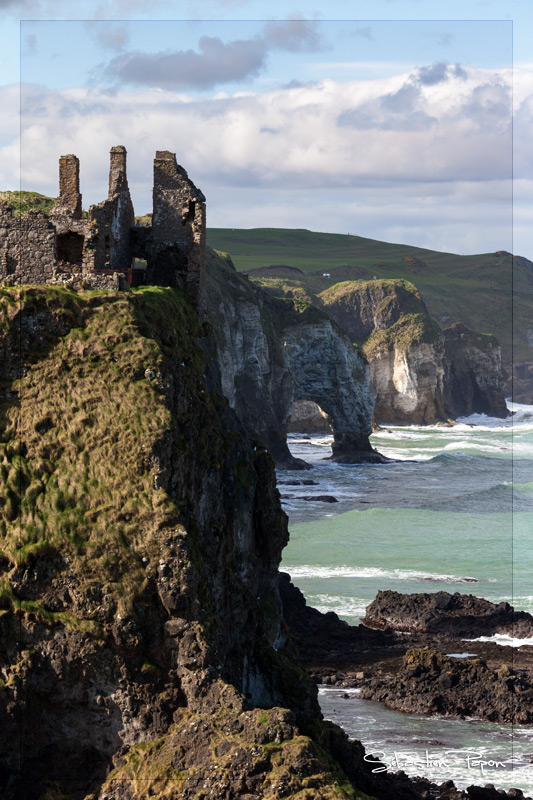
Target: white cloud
214, 62
249, 152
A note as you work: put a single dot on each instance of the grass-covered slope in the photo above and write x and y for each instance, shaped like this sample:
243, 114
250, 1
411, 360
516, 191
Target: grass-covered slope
78, 447
484, 291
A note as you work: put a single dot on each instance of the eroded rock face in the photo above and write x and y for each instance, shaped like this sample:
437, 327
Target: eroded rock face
328, 370
418, 373
255, 375
408, 384
271, 353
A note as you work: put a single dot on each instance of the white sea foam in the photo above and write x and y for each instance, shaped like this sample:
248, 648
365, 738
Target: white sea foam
340, 604
523, 603
310, 571
476, 445
334, 690
503, 639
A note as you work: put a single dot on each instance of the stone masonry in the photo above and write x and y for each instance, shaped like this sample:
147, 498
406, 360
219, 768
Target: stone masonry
101, 249
178, 227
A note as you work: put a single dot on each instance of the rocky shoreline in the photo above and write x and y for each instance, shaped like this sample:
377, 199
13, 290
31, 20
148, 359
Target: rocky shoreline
411, 670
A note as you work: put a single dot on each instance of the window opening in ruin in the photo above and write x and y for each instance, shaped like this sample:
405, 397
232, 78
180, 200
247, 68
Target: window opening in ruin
170, 266
107, 251
69, 247
11, 265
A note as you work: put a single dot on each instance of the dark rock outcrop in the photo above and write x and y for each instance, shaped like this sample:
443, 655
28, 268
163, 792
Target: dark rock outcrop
474, 380
520, 385
324, 639
461, 615
432, 683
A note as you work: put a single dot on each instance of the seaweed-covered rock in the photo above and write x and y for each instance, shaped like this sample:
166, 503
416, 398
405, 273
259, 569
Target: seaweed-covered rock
430, 682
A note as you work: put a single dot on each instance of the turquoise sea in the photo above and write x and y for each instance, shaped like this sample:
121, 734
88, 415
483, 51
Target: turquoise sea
454, 513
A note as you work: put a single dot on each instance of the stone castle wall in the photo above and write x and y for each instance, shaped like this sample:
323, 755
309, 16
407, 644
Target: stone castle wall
27, 246
39, 249
177, 253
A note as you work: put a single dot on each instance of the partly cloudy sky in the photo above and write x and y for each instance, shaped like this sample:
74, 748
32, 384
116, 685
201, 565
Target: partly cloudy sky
413, 126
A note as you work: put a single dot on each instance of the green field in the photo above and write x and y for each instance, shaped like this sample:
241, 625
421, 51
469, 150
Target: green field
489, 292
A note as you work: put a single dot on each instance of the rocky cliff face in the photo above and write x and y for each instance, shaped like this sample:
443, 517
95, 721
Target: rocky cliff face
474, 379
140, 615
328, 370
273, 352
418, 373
408, 384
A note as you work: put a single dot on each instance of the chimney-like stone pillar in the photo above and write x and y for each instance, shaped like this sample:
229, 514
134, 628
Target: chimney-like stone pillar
118, 181
69, 200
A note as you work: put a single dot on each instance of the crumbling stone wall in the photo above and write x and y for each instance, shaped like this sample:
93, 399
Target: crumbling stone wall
37, 249
177, 253
27, 246
102, 242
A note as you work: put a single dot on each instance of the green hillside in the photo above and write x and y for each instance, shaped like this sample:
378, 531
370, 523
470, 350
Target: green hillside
487, 292
22, 202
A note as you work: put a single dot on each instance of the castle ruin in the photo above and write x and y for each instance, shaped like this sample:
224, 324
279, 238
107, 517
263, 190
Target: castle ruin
107, 249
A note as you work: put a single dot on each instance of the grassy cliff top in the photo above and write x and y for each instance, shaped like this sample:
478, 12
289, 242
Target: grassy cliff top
381, 314
409, 330
387, 286
81, 430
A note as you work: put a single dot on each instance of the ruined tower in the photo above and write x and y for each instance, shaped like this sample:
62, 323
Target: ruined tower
178, 229
66, 214
98, 250
122, 213
117, 170
69, 200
